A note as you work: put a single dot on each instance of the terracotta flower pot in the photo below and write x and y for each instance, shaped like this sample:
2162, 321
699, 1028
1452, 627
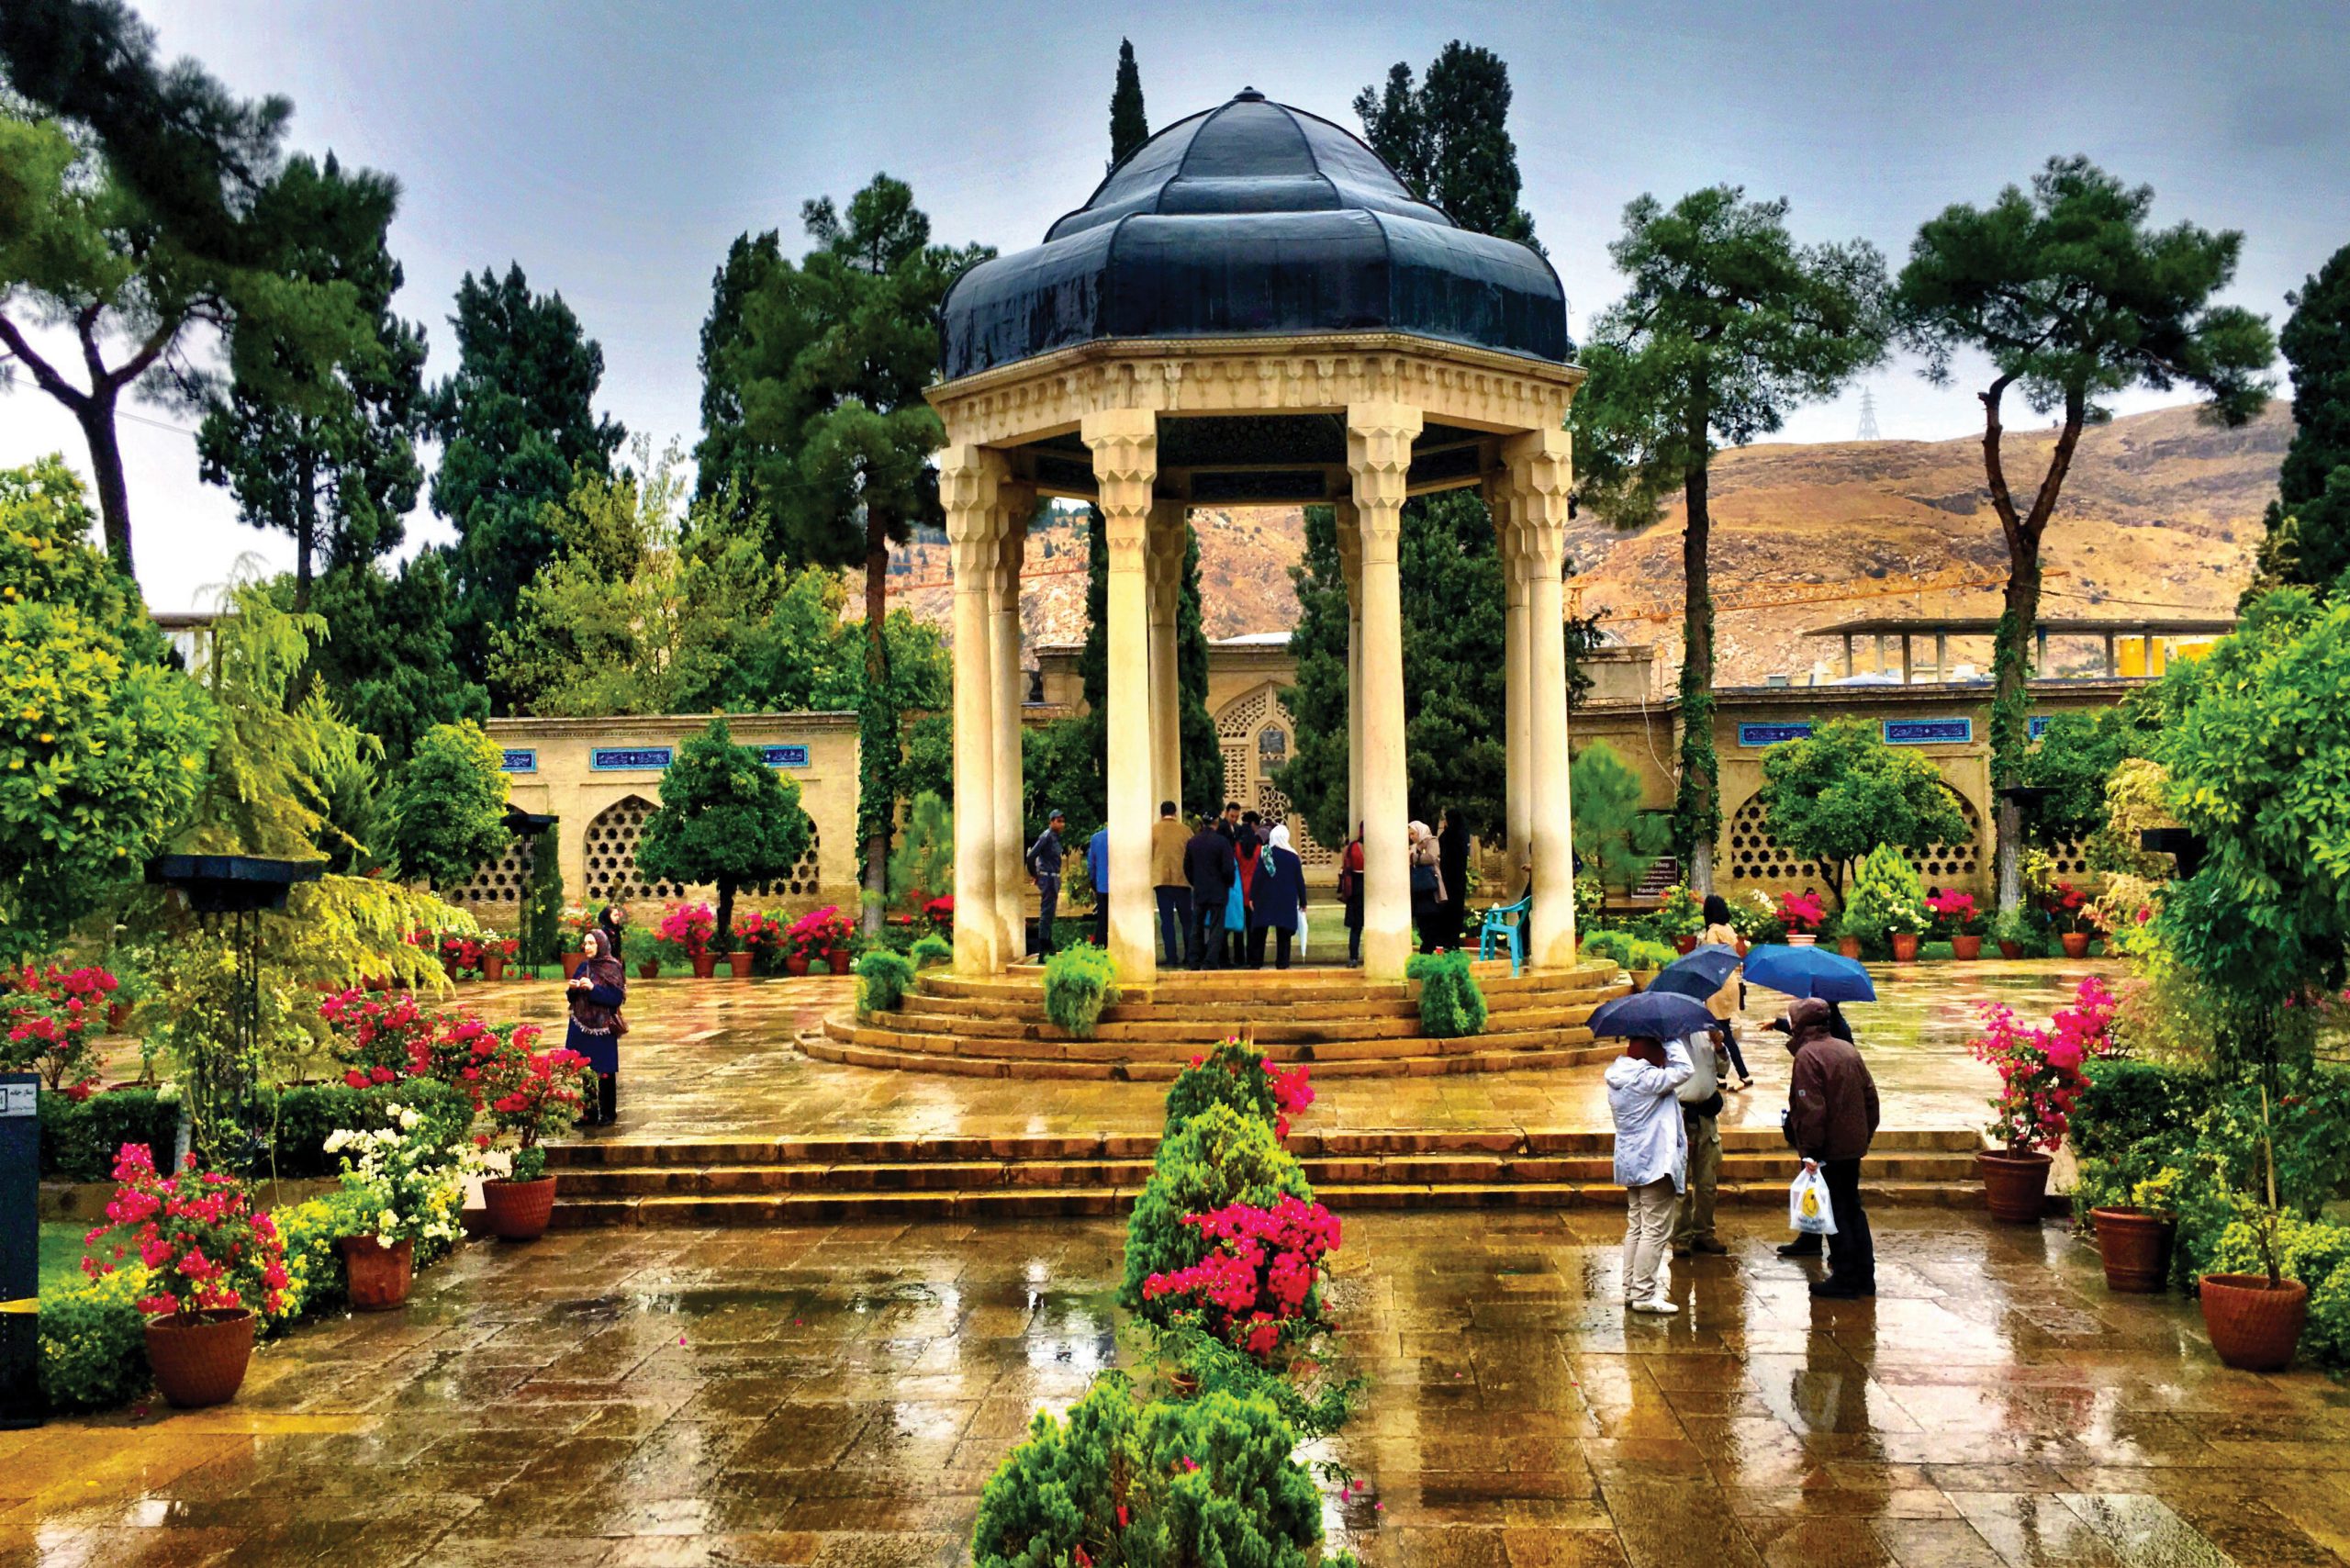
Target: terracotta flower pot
705, 965
1182, 1383
493, 965
1643, 978
1849, 946
649, 970
1966, 947
519, 1211
571, 962
2136, 1248
2014, 1185
379, 1275
1802, 939
1905, 947
1684, 945
200, 1360
2253, 1326
796, 964
2077, 944
2010, 949
739, 963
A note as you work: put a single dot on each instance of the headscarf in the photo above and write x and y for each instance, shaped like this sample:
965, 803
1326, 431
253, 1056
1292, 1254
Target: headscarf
604, 968
1279, 837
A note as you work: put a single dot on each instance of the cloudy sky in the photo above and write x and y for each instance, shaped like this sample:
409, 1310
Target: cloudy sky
615, 150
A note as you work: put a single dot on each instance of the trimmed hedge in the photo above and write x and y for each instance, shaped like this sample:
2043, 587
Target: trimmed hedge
79, 1142
932, 950
882, 978
1450, 1004
1220, 1157
1079, 981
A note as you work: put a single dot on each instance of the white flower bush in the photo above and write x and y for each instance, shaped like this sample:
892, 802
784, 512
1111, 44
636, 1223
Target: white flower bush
413, 1186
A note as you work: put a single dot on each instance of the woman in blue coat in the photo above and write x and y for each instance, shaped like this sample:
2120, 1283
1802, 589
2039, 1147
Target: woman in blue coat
598, 988
1276, 897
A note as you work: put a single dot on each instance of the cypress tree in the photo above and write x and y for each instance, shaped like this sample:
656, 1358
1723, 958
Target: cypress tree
1128, 128
2309, 522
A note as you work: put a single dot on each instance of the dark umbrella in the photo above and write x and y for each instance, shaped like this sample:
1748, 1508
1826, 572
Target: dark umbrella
1698, 973
1809, 971
1659, 1016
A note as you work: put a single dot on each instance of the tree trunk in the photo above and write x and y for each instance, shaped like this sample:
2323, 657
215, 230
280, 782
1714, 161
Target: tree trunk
1698, 804
723, 939
880, 771
306, 535
96, 419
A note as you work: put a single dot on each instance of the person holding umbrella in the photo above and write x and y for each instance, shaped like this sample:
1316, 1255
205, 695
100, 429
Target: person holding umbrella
1831, 1116
1651, 1145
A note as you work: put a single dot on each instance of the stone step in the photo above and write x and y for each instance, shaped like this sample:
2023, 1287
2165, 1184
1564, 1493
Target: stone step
820, 1207
1140, 1063
890, 1032
1220, 1018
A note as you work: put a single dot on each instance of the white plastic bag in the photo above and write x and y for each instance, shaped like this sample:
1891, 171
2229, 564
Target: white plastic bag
1808, 1210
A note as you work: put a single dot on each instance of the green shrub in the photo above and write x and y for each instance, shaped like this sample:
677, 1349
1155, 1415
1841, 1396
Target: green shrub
316, 1280
1887, 896
882, 977
1233, 1074
307, 1113
1219, 1157
1079, 981
1209, 1479
1616, 946
2326, 1337
1450, 1003
94, 1341
79, 1143
930, 951
2315, 1252
2129, 1104
1649, 956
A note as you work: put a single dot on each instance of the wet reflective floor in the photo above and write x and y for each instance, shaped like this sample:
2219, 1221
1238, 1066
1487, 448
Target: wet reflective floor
715, 1059
837, 1396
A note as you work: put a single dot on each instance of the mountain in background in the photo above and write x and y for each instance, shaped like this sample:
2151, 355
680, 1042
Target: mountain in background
2160, 517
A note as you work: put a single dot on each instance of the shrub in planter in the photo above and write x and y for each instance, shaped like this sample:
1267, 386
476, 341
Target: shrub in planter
405, 1184
1124, 1485
527, 1096
1450, 1004
1217, 1158
931, 950
643, 951
2316, 1253
687, 933
882, 978
1234, 1074
1079, 981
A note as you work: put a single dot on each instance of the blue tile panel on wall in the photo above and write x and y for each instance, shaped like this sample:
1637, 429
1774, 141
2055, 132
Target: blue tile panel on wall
1928, 732
1771, 734
514, 759
629, 758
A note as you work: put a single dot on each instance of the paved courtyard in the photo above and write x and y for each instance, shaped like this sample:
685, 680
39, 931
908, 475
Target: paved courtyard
837, 1396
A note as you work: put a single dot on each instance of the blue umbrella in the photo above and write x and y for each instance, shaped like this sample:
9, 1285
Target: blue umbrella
1697, 973
1809, 971
1659, 1016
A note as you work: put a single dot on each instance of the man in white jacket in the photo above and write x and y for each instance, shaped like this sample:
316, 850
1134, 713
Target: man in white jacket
1651, 1157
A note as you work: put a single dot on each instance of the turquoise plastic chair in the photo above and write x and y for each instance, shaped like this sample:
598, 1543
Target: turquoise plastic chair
1505, 923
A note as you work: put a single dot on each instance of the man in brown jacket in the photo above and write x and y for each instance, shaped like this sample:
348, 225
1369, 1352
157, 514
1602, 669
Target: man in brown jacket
1166, 841
1831, 1116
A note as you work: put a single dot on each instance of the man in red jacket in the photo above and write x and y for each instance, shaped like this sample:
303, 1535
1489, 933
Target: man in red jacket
1831, 1116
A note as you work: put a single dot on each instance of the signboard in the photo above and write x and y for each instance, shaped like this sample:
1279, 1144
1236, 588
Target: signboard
519, 760
1928, 732
784, 755
629, 759
19, 1100
2039, 725
1771, 734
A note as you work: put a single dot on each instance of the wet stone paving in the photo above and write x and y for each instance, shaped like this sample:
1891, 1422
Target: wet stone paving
838, 1396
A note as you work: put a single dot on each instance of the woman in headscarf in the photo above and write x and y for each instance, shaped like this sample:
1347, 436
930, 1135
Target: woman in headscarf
598, 987
1351, 865
1279, 899
1723, 1004
1452, 868
1427, 886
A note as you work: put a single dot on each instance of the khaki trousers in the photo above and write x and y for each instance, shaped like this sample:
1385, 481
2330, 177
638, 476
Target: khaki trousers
1647, 1221
1696, 1222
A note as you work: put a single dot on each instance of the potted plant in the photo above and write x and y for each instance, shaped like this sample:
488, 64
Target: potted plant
2134, 1239
689, 928
1681, 918
2068, 912
576, 922
646, 949
211, 1260
2255, 1320
759, 936
1905, 922
1803, 914
2012, 929
411, 1186
2040, 1080
50, 1019
825, 932
1645, 960
1957, 920
496, 952
527, 1095
1851, 928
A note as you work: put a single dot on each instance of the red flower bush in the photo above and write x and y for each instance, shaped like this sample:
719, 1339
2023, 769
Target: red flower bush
821, 934
1258, 1287
461, 954
940, 911
527, 1095
1802, 912
205, 1246
385, 1041
1954, 913
757, 932
52, 1017
689, 928
2039, 1069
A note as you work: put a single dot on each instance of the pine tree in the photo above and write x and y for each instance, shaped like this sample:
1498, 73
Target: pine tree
2309, 522
1128, 128
517, 424
723, 457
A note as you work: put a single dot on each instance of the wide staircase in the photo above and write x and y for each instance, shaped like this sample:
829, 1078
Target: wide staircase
1345, 1025
805, 1180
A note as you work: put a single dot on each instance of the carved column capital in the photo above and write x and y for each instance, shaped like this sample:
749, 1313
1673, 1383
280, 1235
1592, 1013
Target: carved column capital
1125, 444
970, 482
1539, 476
1379, 457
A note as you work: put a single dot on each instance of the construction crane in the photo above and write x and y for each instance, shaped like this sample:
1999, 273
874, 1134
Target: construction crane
1954, 579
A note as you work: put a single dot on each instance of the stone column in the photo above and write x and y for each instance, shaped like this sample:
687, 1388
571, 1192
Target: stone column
1170, 533
1379, 454
1125, 443
1015, 504
1540, 475
1517, 711
969, 478
1350, 567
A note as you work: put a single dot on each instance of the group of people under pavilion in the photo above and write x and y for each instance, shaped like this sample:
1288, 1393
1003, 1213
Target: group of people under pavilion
1251, 310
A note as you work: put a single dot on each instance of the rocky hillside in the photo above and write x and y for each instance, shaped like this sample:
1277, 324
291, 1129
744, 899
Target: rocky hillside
2161, 516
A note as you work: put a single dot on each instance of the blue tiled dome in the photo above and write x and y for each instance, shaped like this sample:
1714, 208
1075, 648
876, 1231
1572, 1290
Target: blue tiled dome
1253, 220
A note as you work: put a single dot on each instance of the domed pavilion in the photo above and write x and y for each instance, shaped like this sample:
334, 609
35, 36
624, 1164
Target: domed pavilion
1251, 310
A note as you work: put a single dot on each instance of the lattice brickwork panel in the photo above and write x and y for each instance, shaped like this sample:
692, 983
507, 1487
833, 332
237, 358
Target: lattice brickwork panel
1955, 862
802, 883
1236, 771
1756, 857
611, 855
1276, 807
500, 881
1239, 720
2072, 858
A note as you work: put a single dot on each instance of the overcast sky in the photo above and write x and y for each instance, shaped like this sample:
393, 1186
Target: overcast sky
615, 150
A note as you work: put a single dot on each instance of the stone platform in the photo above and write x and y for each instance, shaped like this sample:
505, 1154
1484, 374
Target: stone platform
1346, 1026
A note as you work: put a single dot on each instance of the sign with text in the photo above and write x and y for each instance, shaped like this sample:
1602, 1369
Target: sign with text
1928, 732
2039, 725
784, 755
1771, 734
519, 760
629, 758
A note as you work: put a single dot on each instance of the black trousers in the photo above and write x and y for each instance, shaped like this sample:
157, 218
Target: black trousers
1101, 920
1174, 923
1852, 1251
1257, 947
1207, 929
